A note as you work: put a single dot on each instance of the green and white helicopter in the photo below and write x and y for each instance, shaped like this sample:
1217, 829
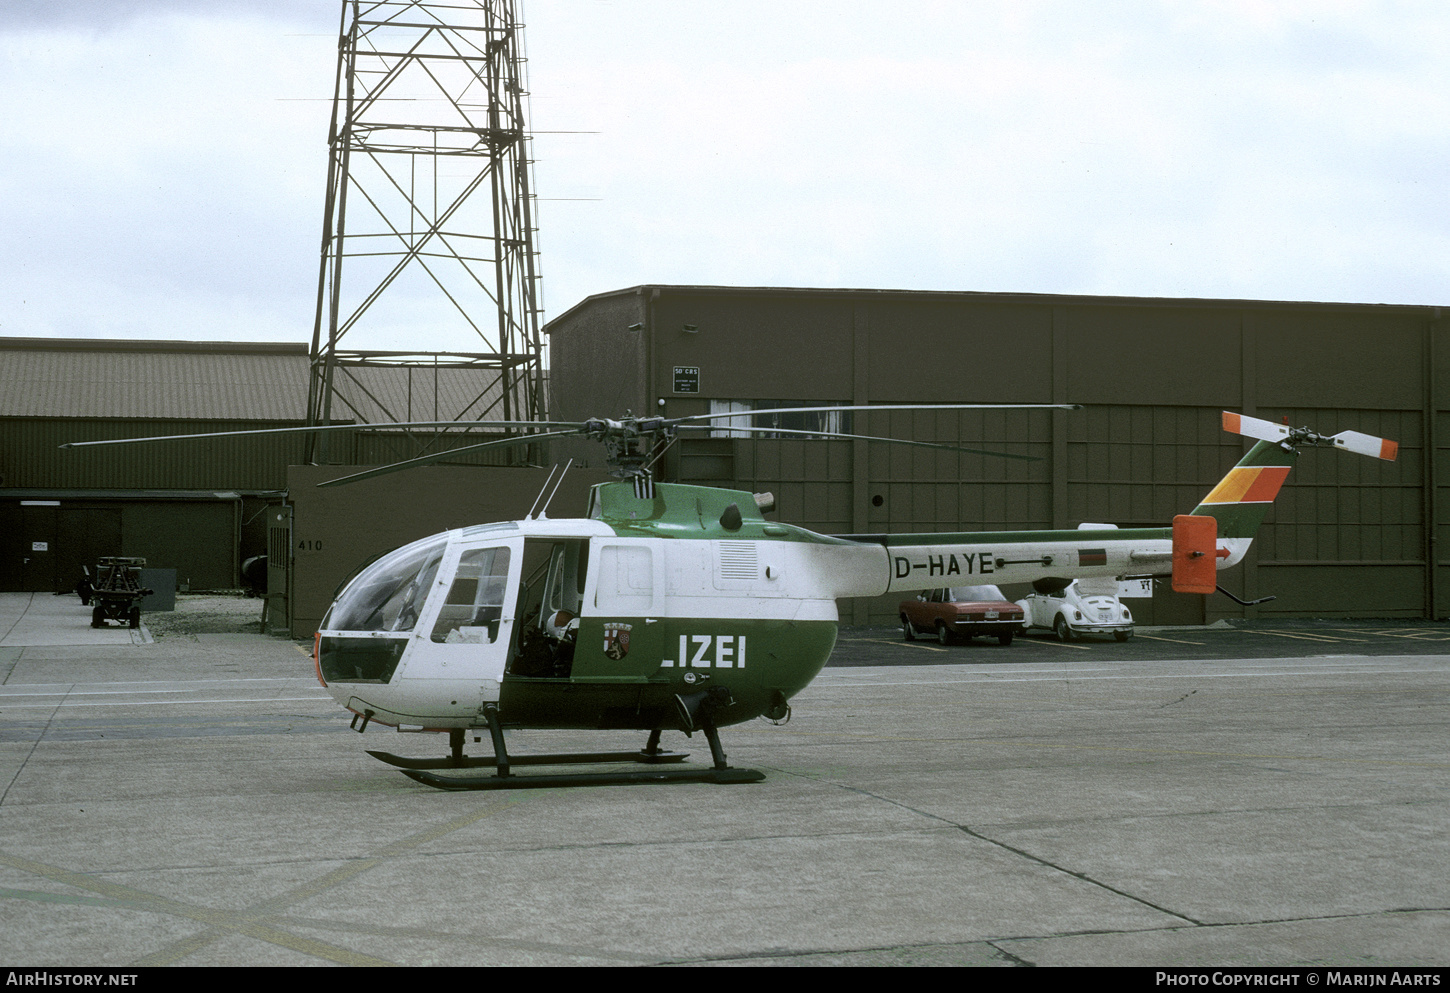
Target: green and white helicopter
682, 608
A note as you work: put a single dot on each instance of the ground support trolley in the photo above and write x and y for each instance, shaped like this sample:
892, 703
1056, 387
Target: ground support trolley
117, 592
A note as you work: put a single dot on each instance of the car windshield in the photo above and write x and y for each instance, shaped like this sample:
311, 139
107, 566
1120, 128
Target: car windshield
960, 594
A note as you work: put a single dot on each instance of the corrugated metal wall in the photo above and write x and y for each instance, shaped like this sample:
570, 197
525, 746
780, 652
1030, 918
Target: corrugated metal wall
31, 456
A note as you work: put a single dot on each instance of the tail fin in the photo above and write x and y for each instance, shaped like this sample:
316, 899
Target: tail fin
1242, 498
1219, 531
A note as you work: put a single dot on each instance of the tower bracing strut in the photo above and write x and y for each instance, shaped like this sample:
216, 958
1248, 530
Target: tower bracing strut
428, 227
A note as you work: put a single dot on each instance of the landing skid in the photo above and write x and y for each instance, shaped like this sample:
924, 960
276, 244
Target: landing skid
560, 758
501, 762
584, 778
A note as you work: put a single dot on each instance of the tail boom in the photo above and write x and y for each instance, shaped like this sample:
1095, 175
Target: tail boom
1192, 549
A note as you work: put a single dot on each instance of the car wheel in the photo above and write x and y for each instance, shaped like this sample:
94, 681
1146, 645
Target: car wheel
943, 636
98, 617
1122, 635
907, 631
1064, 633
134, 618
1004, 639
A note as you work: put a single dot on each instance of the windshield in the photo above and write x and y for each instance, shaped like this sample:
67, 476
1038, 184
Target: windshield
387, 595
975, 593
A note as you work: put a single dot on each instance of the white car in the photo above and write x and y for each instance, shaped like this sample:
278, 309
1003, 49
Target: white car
1071, 613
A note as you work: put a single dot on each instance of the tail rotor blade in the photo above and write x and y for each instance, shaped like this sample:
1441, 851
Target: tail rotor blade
1349, 441
1366, 444
1253, 427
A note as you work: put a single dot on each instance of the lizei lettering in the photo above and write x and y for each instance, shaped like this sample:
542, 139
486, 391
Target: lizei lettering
705, 651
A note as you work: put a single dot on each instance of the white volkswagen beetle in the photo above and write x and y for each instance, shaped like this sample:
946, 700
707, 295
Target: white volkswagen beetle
1071, 613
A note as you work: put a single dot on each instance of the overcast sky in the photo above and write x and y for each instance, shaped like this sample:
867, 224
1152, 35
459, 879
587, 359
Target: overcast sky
163, 162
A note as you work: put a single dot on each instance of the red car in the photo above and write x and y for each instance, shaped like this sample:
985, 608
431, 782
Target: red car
962, 611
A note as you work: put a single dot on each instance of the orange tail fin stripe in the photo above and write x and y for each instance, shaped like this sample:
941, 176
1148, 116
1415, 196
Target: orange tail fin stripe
1266, 485
1389, 449
1249, 484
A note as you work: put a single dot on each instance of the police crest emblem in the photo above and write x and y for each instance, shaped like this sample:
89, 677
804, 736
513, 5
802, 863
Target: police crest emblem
616, 639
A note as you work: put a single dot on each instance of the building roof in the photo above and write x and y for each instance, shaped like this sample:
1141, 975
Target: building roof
244, 381
1045, 299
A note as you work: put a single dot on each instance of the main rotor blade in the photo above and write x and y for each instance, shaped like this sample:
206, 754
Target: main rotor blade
838, 436
881, 408
387, 426
440, 456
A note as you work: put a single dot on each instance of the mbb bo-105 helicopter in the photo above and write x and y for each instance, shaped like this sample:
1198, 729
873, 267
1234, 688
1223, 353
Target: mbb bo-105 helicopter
679, 607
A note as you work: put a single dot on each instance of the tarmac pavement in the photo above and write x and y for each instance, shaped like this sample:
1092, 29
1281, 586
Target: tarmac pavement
199, 800
35, 619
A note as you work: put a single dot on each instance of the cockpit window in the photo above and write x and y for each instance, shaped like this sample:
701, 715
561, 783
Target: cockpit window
471, 614
387, 595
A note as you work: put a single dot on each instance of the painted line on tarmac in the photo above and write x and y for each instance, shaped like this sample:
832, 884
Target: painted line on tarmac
165, 703
1135, 676
136, 692
1306, 636
42, 696
1306, 665
860, 672
265, 920
896, 644
1176, 641
144, 685
1137, 749
1408, 634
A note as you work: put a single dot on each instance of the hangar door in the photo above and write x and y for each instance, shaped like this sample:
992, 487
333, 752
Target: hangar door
49, 543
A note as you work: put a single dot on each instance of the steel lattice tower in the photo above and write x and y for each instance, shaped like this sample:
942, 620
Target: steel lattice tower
428, 201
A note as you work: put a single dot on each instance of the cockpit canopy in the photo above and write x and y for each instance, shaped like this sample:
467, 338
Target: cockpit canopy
388, 594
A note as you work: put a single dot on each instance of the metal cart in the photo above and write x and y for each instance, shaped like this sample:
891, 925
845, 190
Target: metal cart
117, 592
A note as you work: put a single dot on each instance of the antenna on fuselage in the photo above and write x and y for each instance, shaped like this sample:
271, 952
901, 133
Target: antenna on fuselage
530, 514
544, 510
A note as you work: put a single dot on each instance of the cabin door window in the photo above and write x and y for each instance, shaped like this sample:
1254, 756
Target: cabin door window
474, 608
626, 580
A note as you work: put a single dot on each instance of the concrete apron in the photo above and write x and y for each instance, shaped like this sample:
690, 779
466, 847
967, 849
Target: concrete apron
44, 619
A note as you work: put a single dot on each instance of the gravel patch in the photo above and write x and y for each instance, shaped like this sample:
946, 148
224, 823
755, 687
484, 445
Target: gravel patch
207, 613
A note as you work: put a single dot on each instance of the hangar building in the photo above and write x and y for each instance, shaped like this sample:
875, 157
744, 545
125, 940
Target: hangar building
1348, 536
188, 507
